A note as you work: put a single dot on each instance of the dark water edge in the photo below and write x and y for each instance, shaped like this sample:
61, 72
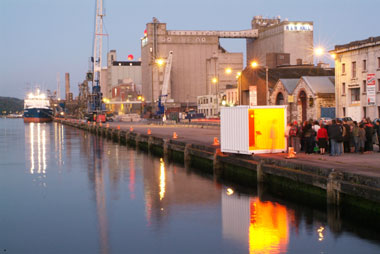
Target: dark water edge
86, 194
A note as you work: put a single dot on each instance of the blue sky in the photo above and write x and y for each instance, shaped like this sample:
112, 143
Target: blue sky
40, 38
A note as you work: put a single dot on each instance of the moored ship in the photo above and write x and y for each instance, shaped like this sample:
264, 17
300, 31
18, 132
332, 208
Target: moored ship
37, 108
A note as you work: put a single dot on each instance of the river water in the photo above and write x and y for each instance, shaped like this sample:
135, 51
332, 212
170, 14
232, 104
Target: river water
63, 190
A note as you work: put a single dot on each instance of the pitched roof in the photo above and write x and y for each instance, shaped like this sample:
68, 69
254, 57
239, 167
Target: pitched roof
321, 84
289, 84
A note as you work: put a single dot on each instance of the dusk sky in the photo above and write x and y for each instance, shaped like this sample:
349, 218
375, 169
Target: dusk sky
40, 38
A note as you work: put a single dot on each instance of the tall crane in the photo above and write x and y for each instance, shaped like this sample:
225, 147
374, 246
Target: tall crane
96, 107
166, 89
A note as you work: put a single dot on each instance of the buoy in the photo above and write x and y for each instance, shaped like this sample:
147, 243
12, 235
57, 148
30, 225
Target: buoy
175, 136
118, 127
291, 153
216, 142
131, 128
149, 132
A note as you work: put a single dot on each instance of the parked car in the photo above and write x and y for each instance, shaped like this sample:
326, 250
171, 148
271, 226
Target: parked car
325, 120
347, 119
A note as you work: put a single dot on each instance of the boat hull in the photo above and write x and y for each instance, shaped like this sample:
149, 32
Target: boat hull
38, 115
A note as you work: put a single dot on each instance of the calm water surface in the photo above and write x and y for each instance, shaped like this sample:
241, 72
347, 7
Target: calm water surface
63, 190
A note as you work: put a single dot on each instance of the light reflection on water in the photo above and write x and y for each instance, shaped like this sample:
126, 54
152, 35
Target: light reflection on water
102, 197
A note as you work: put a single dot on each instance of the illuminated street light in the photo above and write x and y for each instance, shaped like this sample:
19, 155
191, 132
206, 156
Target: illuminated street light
254, 65
214, 80
160, 61
228, 70
333, 55
319, 51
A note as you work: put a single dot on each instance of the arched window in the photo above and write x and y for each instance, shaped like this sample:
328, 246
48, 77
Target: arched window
280, 99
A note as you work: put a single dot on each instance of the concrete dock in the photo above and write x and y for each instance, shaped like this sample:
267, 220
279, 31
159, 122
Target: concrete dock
349, 181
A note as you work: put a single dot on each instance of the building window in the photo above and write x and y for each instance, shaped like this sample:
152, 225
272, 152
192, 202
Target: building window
364, 86
378, 85
364, 65
365, 112
344, 111
343, 68
355, 95
378, 62
343, 88
353, 69
378, 111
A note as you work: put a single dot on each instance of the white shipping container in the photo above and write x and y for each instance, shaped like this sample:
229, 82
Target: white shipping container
267, 129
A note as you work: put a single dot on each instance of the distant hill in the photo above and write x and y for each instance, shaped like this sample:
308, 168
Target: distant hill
10, 105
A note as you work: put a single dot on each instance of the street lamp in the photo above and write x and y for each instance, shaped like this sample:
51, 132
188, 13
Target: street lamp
238, 74
215, 80
255, 64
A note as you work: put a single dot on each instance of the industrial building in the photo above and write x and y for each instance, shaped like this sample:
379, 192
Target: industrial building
119, 73
200, 66
280, 42
357, 79
199, 63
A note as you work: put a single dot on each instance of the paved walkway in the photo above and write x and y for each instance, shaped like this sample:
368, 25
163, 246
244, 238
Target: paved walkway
366, 164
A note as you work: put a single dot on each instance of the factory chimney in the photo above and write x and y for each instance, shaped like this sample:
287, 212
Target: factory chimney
67, 85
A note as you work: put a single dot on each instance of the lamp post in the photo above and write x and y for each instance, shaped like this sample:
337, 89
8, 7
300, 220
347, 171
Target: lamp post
238, 77
215, 81
254, 65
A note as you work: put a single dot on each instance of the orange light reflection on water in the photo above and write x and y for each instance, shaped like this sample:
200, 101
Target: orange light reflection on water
269, 227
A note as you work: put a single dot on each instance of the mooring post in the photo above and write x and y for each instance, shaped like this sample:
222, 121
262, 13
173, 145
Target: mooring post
137, 140
150, 143
216, 164
333, 188
259, 172
186, 154
166, 148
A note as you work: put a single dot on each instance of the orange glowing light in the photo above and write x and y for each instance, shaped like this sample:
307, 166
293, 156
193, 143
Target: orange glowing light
269, 227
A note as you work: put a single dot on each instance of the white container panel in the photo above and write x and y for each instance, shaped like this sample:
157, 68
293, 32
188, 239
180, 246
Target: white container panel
234, 130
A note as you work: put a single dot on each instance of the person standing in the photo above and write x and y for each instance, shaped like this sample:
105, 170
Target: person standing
377, 126
294, 133
355, 135
362, 138
322, 138
335, 134
346, 137
368, 127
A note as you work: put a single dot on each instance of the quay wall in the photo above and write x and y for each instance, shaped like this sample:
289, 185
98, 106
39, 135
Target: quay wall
341, 192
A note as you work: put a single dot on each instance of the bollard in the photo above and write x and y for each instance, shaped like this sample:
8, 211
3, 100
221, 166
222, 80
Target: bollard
175, 136
149, 132
216, 142
291, 153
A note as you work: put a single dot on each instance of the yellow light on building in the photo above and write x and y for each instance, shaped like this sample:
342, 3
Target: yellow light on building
319, 51
160, 62
254, 64
333, 55
214, 80
228, 70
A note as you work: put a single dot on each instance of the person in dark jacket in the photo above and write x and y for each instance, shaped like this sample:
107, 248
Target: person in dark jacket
368, 127
377, 126
335, 135
309, 139
346, 137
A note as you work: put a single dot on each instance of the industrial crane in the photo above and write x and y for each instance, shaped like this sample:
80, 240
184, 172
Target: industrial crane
165, 91
96, 108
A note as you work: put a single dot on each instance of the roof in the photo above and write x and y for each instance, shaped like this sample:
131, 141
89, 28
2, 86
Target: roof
360, 43
321, 84
289, 84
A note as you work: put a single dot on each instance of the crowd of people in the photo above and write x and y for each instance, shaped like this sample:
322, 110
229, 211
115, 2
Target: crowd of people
334, 137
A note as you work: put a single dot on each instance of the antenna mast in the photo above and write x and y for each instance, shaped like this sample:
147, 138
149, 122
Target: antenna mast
97, 66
